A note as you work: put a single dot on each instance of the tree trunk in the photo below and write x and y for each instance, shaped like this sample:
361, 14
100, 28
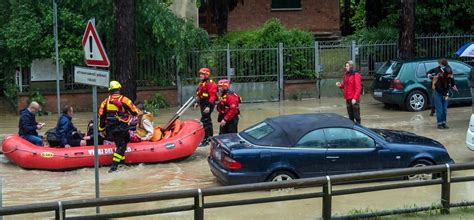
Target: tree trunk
407, 29
125, 63
346, 17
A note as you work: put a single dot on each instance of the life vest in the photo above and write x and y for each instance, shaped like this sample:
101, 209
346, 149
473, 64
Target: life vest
115, 109
207, 90
229, 105
173, 131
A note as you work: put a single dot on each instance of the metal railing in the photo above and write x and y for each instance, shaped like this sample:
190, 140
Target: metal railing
326, 182
318, 60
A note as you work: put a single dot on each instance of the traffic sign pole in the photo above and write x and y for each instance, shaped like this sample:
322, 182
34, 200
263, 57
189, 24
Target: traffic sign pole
55, 19
95, 56
96, 135
96, 146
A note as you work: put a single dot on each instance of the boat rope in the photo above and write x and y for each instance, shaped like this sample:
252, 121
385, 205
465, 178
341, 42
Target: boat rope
91, 155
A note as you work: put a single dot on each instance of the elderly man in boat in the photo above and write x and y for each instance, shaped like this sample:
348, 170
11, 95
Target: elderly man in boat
28, 126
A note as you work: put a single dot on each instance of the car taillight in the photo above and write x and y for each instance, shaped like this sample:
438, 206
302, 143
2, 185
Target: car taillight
230, 163
396, 84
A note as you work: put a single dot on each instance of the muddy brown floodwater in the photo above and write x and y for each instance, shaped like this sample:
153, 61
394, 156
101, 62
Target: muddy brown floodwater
32, 186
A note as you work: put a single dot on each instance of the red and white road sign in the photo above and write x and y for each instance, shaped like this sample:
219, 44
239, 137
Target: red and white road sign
94, 52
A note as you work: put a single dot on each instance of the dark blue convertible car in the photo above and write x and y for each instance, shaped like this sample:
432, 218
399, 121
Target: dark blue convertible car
309, 145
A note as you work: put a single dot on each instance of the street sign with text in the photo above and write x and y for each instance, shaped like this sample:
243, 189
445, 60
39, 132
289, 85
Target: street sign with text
94, 77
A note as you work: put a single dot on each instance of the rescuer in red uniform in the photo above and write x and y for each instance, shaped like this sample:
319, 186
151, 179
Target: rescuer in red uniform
228, 108
206, 94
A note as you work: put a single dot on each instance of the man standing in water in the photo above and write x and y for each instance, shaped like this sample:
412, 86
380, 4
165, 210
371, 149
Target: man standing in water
352, 86
228, 108
114, 114
206, 94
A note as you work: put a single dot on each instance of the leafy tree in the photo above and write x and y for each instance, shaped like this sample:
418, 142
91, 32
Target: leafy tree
26, 31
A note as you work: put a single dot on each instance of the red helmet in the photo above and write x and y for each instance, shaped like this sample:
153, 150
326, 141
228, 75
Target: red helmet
224, 83
205, 71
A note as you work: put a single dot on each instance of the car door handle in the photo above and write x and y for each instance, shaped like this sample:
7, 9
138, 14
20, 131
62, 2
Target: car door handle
332, 157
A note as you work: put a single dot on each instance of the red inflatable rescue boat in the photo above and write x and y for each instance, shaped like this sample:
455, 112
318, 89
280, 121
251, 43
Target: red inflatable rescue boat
29, 156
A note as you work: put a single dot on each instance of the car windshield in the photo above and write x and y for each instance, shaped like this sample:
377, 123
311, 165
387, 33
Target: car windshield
374, 131
389, 68
259, 131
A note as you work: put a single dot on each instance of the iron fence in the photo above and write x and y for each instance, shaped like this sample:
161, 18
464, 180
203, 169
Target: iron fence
318, 60
200, 204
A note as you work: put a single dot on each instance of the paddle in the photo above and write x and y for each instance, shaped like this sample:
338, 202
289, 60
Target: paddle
178, 114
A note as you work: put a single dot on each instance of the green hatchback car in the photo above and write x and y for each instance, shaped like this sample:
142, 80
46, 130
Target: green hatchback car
404, 83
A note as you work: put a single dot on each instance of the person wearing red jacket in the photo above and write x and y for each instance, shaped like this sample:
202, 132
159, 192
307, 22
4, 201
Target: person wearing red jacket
351, 86
206, 94
228, 108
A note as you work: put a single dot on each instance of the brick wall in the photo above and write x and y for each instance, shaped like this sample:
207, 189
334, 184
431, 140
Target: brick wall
315, 16
82, 100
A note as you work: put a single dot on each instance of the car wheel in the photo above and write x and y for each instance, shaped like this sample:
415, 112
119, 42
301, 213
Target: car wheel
421, 176
279, 176
416, 101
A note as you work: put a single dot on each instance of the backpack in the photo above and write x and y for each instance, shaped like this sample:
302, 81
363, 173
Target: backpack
51, 137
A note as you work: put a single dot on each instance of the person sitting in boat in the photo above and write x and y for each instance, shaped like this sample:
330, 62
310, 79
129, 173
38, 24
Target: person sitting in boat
144, 127
28, 126
67, 134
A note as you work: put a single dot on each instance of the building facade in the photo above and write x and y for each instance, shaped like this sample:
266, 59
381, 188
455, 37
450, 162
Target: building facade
320, 17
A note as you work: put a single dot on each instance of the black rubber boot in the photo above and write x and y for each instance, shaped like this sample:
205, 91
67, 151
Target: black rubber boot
113, 168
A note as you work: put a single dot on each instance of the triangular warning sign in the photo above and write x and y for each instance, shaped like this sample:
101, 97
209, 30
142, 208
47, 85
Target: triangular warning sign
94, 52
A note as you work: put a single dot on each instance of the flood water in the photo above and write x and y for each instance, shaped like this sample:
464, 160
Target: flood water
32, 186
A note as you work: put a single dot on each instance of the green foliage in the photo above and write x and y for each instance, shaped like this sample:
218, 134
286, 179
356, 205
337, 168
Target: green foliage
26, 30
157, 102
11, 90
441, 16
432, 16
358, 20
378, 34
268, 36
36, 96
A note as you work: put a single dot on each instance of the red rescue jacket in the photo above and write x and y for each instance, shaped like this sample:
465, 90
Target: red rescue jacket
351, 85
228, 105
206, 92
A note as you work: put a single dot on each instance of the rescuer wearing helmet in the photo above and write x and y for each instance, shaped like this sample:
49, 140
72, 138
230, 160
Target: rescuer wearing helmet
228, 108
206, 94
114, 114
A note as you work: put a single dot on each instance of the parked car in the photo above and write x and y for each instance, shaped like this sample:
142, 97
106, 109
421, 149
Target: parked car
309, 145
470, 134
404, 83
